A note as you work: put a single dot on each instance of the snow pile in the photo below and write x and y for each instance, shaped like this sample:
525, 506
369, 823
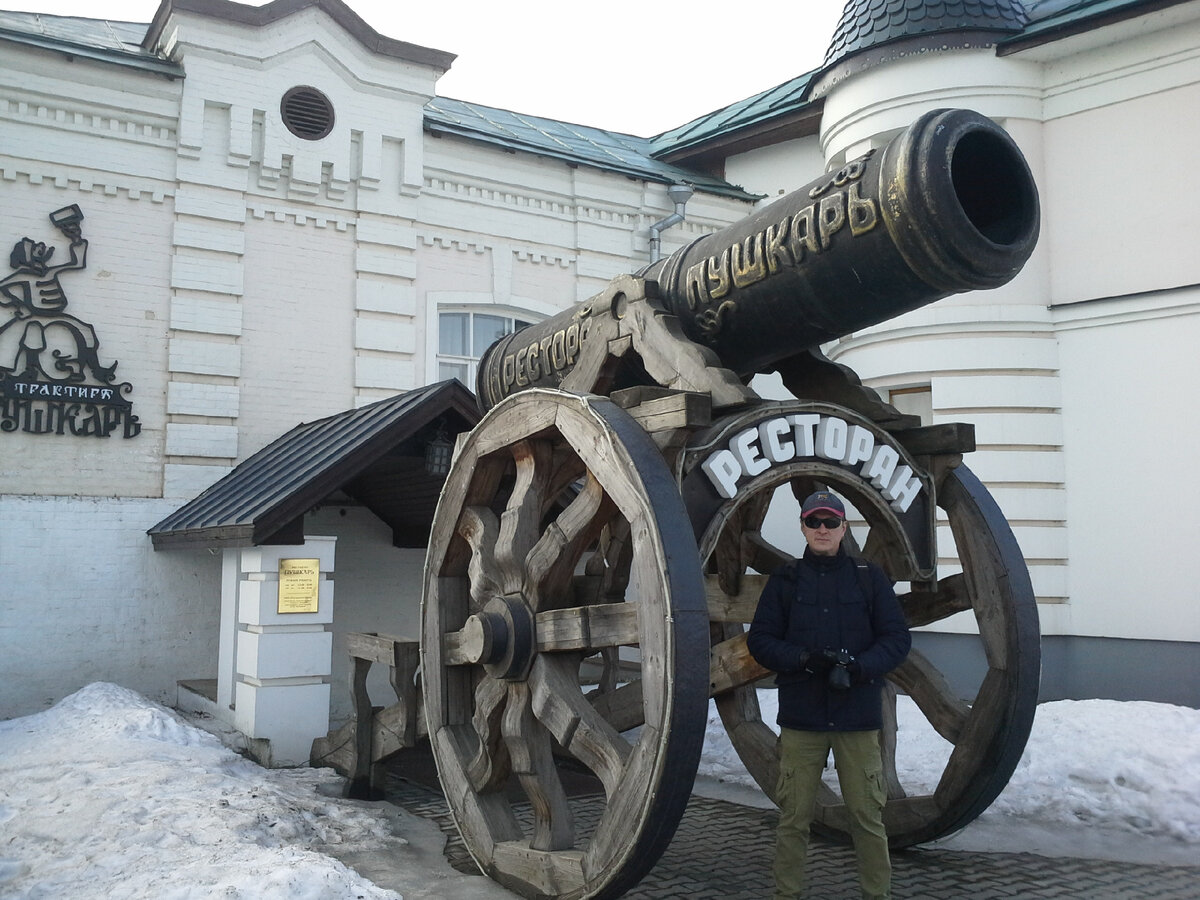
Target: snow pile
110, 795
1133, 767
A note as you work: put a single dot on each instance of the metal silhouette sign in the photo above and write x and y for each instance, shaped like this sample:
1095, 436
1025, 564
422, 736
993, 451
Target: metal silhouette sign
52, 380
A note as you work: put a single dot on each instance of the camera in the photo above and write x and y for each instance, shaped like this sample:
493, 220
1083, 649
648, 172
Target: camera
839, 675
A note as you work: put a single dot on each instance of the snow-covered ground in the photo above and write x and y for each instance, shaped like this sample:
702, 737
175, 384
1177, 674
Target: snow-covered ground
108, 795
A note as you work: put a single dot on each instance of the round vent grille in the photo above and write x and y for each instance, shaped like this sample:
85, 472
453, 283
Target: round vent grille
307, 113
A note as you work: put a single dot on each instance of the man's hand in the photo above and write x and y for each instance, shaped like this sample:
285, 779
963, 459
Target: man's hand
817, 662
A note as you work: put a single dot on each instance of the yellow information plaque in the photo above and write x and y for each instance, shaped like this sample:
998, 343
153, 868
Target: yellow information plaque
299, 585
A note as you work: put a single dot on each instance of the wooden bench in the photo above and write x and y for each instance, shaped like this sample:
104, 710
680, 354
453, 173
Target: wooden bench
358, 748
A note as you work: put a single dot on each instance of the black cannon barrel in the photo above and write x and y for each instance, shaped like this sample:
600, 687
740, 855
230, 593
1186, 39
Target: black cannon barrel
948, 205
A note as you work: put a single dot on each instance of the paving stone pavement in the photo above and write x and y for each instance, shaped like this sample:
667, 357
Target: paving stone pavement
723, 850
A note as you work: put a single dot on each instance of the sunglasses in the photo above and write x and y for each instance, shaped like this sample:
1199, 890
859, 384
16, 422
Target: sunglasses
815, 522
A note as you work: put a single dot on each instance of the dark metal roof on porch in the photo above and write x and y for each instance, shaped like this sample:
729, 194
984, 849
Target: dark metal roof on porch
373, 455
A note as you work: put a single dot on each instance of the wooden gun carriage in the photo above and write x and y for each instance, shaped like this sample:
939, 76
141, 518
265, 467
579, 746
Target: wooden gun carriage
601, 538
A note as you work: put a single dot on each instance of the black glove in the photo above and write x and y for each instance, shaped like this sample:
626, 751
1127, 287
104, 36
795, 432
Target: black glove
817, 662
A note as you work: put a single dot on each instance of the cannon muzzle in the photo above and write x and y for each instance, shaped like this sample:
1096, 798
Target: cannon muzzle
948, 205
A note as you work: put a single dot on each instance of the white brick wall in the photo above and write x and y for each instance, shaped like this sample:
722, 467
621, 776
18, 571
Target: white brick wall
85, 599
205, 357
194, 399
202, 440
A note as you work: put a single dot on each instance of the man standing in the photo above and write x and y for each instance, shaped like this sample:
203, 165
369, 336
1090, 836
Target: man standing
830, 627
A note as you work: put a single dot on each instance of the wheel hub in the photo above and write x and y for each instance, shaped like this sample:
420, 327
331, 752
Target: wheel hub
501, 638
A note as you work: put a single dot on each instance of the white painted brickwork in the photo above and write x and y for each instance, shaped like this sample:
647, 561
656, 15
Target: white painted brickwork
205, 357
196, 399
219, 441
206, 315
182, 482
85, 598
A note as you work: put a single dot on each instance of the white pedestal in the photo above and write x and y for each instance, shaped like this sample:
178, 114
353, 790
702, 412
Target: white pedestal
279, 663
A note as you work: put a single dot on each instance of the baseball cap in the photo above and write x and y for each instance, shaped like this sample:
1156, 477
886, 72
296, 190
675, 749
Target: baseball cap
823, 501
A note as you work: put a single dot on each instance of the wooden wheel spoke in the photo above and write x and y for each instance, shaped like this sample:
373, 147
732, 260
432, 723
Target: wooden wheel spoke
520, 524
762, 555
480, 528
731, 666
587, 628
926, 607
532, 761
575, 723
550, 565
921, 680
488, 768
734, 546
887, 743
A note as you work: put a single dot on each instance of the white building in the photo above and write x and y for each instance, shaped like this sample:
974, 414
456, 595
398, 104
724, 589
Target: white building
1075, 374
286, 224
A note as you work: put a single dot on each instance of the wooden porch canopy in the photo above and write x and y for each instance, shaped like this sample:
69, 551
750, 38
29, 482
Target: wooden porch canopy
374, 456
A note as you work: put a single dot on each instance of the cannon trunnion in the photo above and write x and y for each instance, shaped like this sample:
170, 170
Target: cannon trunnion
602, 536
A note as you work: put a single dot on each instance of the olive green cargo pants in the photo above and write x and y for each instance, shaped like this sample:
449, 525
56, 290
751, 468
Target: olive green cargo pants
860, 773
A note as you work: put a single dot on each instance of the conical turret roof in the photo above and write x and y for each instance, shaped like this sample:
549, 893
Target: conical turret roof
868, 24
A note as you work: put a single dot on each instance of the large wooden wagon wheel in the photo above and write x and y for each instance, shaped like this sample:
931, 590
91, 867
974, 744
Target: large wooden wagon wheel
560, 535
988, 734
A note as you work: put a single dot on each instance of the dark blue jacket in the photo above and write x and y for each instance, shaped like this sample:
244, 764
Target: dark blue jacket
815, 603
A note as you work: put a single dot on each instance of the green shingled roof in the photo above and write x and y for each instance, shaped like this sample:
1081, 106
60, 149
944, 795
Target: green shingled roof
866, 24
98, 39
870, 24
767, 105
578, 144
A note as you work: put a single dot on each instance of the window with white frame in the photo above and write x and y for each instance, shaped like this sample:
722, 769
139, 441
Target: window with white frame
462, 338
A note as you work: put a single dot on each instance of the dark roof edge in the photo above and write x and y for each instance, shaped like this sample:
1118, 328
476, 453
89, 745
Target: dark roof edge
1035, 36
450, 395
279, 9
148, 63
804, 121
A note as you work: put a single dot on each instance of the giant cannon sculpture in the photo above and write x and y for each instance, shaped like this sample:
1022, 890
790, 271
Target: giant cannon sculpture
599, 543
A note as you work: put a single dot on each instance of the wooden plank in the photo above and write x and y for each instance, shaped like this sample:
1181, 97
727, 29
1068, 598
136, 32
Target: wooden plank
557, 874
925, 607
731, 666
739, 607
628, 398
684, 409
935, 440
588, 627
622, 708
376, 648
360, 771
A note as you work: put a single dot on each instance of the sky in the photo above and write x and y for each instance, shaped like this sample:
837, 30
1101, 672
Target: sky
109, 795
624, 65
